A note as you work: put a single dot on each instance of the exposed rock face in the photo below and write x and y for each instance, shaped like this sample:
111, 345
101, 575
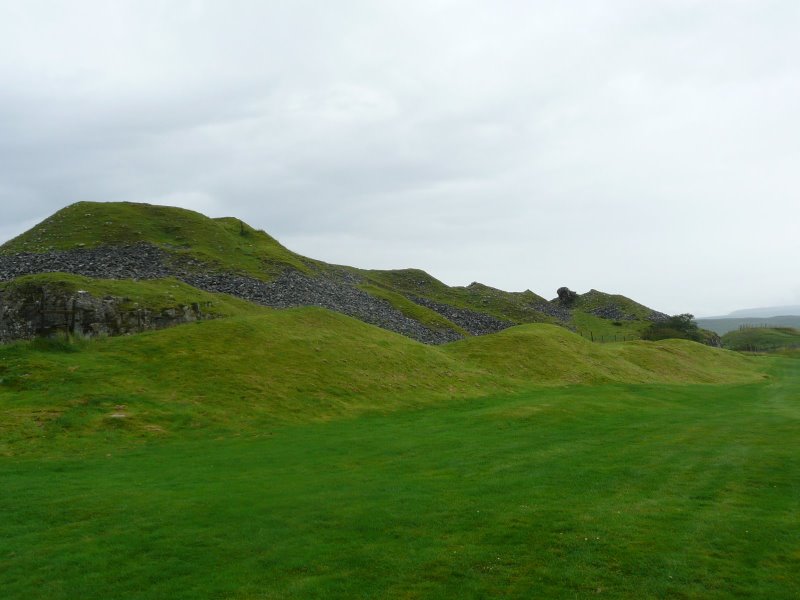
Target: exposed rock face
44, 310
143, 261
566, 297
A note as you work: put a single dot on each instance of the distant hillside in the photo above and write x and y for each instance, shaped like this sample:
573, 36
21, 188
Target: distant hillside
762, 339
112, 242
723, 325
768, 311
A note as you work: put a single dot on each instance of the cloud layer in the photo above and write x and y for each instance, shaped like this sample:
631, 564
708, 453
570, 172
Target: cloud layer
649, 149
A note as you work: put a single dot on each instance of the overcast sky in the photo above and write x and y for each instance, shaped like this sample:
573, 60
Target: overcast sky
644, 148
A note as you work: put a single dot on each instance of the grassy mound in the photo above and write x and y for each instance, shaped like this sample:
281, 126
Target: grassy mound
245, 373
547, 354
227, 243
618, 491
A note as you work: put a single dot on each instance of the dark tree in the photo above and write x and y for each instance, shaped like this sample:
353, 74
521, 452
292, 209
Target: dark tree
677, 326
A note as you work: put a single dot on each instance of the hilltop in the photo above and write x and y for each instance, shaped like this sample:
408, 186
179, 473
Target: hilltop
108, 243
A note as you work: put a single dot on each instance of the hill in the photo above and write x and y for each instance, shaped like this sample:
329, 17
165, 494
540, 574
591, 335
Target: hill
126, 241
723, 325
762, 339
767, 311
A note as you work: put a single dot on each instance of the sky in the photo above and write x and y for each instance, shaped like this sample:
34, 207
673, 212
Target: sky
648, 148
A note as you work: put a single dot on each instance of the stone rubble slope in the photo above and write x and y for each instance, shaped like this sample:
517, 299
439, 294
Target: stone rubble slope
291, 289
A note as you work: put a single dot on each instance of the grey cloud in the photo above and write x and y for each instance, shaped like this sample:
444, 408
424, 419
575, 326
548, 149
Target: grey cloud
642, 148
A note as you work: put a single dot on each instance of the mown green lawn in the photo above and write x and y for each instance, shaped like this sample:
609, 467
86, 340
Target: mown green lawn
637, 491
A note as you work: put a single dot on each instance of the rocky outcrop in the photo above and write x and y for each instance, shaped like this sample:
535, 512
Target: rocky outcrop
40, 310
334, 289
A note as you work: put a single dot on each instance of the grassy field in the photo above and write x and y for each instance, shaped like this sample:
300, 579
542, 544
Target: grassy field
331, 459
623, 491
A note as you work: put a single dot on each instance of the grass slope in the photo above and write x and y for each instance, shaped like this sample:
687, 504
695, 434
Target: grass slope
762, 339
226, 242
519, 307
621, 491
246, 373
594, 299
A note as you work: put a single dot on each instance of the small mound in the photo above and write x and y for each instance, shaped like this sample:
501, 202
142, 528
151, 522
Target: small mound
547, 354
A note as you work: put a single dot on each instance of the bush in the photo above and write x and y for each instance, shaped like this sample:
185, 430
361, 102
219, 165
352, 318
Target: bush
681, 327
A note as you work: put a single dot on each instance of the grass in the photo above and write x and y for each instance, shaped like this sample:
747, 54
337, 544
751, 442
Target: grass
593, 300
762, 339
245, 373
225, 243
518, 307
611, 490
412, 310
724, 325
605, 330
228, 244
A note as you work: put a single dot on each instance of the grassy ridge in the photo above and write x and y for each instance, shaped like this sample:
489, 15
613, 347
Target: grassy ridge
226, 242
762, 339
621, 491
724, 325
245, 373
519, 307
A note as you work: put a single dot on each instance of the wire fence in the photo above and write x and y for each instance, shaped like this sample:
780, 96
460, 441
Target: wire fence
604, 338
